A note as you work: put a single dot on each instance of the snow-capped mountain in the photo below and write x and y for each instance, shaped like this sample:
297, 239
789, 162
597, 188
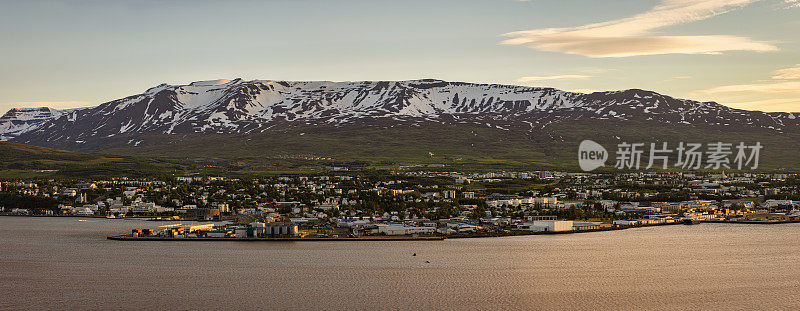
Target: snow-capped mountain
20, 120
261, 107
243, 107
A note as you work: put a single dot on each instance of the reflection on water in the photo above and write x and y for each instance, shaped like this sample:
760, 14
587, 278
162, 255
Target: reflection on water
64, 263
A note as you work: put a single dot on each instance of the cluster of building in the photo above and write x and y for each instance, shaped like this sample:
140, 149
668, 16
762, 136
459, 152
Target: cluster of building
253, 230
419, 202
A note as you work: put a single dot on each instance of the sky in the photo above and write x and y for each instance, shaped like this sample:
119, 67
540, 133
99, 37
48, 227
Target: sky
75, 53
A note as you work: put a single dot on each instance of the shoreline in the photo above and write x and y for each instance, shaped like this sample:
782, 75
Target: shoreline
752, 222
513, 233
127, 237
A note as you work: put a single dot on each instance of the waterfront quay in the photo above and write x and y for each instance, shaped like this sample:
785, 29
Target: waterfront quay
288, 232
299, 238
128, 237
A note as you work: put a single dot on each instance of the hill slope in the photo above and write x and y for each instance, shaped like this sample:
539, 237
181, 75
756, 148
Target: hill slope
18, 160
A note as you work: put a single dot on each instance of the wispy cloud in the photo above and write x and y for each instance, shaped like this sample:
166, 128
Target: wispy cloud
556, 77
788, 73
780, 92
776, 104
678, 78
787, 81
633, 36
777, 87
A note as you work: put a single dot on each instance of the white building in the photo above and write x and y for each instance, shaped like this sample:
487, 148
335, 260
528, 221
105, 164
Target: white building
83, 211
776, 203
517, 201
403, 230
545, 200
327, 206
626, 222
547, 226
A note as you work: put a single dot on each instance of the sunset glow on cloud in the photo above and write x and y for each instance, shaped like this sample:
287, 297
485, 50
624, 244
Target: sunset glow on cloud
556, 77
784, 81
633, 36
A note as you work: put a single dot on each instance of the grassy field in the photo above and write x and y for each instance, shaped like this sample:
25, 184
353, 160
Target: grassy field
24, 161
463, 148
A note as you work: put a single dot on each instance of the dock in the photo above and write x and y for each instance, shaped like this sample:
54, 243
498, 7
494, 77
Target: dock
127, 237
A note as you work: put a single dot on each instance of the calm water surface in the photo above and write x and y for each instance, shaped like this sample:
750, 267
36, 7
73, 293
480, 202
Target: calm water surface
64, 263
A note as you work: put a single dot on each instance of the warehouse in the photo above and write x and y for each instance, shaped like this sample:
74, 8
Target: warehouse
271, 229
403, 230
547, 226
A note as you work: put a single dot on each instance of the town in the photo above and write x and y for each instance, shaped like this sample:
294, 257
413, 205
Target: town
413, 203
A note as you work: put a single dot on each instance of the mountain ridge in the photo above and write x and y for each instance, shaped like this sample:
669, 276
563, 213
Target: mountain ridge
279, 113
229, 106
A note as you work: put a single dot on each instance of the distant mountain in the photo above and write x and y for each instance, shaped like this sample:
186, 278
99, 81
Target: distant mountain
167, 118
20, 120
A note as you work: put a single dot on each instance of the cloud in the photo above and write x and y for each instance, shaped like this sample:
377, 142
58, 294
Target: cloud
632, 36
779, 87
788, 73
775, 104
678, 78
788, 83
781, 93
556, 77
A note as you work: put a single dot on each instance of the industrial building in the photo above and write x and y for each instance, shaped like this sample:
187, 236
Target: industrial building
272, 229
393, 229
547, 226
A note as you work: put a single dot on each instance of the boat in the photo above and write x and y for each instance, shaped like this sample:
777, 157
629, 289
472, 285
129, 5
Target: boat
690, 221
110, 217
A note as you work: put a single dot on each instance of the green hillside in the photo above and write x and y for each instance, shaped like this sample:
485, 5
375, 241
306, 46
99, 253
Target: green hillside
308, 149
18, 160
460, 146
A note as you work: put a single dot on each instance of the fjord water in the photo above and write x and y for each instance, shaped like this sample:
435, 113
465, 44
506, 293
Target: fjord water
64, 263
